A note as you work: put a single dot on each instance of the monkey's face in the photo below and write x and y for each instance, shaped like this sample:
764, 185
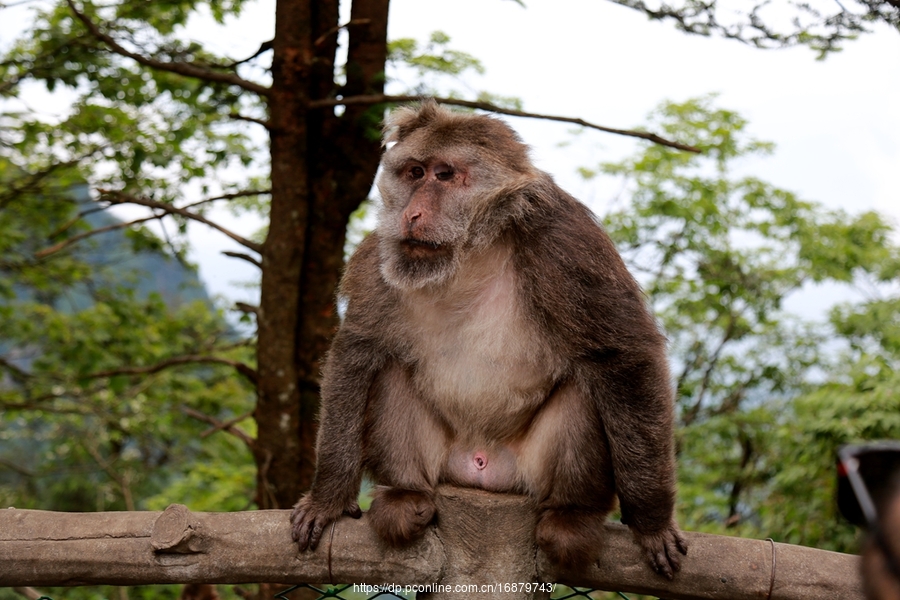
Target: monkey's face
449, 185
428, 203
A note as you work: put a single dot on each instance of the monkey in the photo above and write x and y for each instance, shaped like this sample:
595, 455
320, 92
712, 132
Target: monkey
493, 338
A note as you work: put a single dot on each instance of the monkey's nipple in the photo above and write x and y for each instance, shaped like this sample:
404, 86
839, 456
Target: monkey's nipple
480, 460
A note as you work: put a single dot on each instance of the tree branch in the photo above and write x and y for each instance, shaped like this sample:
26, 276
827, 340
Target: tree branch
86, 234
324, 37
217, 425
121, 479
180, 68
239, 117
716, 355
225, 424
264, 47
31, 182
487, 106
16, 372
35, 63
37, 404
243, 256
28, 592
692, 413
76, 238
16, 468
241, 368
822, 31
232, 196
247, 308
117, 197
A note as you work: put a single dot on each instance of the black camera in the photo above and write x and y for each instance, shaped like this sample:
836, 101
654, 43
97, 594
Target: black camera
868, 480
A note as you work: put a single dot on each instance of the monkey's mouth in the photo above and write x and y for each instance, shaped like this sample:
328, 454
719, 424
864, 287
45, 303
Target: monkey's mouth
422, 248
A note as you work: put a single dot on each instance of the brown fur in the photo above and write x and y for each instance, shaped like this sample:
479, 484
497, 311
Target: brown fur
570, 536
400, 516
494, 338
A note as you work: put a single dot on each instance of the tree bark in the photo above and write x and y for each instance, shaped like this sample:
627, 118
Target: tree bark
323, 165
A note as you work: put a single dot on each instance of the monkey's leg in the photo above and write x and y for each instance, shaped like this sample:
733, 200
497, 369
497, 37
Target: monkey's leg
566, 464
404, 448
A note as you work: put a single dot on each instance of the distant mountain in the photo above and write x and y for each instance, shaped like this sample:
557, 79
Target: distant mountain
115, 264
145, 272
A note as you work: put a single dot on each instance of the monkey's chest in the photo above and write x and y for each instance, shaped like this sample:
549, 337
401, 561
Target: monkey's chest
483, 366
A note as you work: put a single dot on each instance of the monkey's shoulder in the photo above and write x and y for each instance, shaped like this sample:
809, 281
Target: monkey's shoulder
362, 280
574, 281
565, 248
367, 299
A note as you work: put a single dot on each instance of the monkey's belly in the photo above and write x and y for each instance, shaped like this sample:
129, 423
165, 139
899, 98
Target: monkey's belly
493, 469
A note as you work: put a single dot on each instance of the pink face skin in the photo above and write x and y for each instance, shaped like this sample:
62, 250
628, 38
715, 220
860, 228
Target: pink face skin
432, 182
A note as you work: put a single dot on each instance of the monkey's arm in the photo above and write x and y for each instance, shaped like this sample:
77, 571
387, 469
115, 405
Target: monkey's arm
593, 310
350, 368
632, 391
338, 449
626, 371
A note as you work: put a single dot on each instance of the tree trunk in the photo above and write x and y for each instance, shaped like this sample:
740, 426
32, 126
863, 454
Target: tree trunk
322, 168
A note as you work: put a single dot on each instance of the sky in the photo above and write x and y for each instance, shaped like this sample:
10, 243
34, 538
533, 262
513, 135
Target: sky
835, 123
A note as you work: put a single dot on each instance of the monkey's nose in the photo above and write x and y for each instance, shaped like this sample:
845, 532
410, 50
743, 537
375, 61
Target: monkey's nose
411, 222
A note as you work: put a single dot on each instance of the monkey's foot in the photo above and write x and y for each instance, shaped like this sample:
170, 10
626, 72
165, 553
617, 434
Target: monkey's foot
311, 516
570, 537
401, 516
662, 549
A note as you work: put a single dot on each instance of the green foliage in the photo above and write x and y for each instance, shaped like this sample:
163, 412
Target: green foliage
89, 419
719, 256
129, 128
76, 412
436, 67
97, 370
510, 102
77, 438
435, 57
764, 396
18, 264
873, 330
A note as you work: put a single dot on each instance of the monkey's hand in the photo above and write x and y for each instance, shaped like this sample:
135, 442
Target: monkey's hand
662, 549
311, 516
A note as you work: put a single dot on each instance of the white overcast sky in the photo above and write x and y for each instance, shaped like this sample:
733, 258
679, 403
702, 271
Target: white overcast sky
836, 122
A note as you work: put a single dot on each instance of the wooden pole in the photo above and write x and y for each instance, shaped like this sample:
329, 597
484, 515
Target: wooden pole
489, 544
43, 548
480, 539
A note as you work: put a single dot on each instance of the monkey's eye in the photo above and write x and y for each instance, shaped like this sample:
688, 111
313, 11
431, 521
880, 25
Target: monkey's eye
444, 173
417, 172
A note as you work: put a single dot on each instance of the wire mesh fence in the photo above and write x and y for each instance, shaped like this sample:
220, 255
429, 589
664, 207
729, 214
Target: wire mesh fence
358, 592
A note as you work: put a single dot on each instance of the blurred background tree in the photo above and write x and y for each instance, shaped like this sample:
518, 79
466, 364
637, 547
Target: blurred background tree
823, 27
765, 395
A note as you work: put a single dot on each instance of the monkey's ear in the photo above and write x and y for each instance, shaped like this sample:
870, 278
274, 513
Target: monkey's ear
390, 132
389, 137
